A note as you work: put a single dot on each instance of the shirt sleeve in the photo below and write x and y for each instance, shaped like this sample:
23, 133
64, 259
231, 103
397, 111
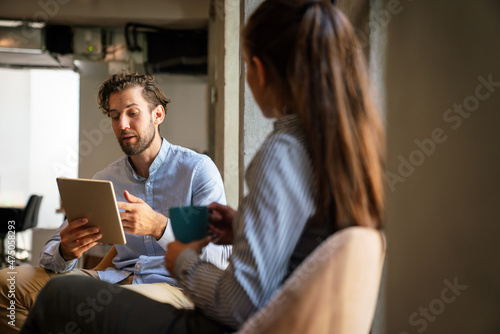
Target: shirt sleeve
208, 188
51, 258
207, 183
266, 229
167, 237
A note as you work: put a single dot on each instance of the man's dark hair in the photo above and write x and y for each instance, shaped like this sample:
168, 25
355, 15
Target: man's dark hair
152, 93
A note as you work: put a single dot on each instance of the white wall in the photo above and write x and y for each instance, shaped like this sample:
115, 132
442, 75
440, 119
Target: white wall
54, 108
14, 138
39, 122
97, 143
186, 123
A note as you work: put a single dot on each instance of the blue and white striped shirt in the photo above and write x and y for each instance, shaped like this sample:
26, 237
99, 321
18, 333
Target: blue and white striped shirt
267, 228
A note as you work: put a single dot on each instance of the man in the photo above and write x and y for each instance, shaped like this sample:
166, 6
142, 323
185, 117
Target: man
153, 176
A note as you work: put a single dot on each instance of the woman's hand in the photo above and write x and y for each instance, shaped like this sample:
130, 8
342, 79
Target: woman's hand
221, 219
176, 247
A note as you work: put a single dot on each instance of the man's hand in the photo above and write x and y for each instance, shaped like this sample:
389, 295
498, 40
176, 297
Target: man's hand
176, 247
77, 238
221, 219
140, 219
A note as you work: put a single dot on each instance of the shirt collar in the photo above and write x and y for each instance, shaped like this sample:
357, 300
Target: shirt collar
286, 122
161, 157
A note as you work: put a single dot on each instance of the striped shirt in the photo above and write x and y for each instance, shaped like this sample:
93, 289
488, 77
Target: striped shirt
269, 223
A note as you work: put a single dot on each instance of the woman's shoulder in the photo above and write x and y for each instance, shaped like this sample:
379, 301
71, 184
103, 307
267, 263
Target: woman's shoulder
285, 140
282, 151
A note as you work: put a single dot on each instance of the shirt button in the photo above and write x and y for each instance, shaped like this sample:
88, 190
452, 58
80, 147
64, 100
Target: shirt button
147, 237
138, 266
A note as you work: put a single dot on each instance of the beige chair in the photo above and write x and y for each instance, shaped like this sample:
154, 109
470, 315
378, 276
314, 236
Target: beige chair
334, 290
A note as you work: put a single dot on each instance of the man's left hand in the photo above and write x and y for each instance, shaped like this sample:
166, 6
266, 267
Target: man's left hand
140, 219
176, 247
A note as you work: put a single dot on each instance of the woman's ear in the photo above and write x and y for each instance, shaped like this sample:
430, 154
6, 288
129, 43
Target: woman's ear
261, 71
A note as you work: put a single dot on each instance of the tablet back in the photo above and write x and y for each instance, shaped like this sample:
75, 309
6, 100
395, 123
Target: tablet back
96, 201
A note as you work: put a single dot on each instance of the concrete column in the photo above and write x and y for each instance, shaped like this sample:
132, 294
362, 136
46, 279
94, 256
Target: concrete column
254, 128
225, 18
238, 128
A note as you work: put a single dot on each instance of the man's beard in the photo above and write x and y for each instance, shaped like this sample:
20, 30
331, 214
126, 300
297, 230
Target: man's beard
142, 143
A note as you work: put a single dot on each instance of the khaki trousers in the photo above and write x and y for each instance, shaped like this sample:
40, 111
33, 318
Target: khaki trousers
20, 287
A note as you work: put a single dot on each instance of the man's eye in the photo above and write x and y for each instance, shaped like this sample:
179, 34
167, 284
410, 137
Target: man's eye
114, 116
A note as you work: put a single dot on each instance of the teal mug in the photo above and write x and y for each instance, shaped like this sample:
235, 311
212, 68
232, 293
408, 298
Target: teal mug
189, 223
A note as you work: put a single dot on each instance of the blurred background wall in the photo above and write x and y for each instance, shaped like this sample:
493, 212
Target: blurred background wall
443, 119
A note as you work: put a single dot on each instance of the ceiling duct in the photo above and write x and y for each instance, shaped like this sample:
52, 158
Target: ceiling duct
179, 51
35, 45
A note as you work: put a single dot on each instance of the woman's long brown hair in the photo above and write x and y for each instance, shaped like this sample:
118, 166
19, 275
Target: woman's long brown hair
316, 67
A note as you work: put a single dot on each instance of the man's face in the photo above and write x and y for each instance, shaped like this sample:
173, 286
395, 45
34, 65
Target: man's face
131, 120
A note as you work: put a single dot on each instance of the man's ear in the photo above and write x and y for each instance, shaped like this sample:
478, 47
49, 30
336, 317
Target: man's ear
158, 114
261, 71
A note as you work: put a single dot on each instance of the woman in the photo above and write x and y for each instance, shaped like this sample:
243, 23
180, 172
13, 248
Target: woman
319, 171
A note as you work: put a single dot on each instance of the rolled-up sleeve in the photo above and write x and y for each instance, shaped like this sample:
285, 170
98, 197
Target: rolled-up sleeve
51, 258
167, 237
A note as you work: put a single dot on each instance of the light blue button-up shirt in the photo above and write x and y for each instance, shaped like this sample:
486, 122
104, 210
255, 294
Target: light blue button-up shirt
177, 177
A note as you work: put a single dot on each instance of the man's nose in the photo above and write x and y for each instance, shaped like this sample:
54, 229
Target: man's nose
124, 122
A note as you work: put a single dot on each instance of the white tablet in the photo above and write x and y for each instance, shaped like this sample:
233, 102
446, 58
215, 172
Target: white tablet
96, 201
